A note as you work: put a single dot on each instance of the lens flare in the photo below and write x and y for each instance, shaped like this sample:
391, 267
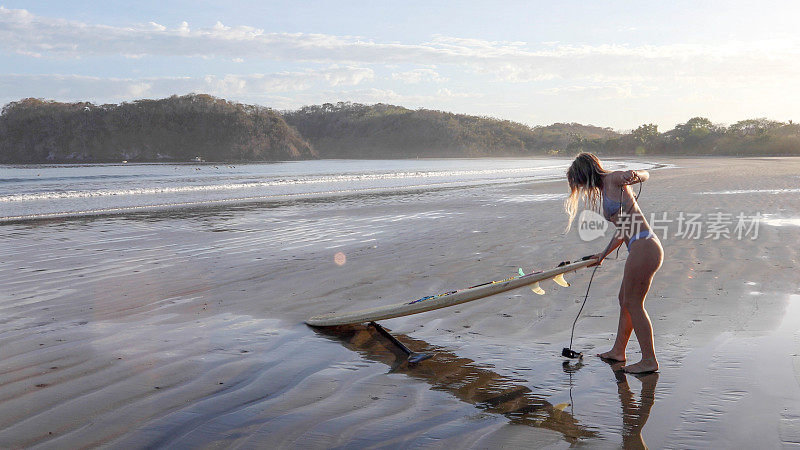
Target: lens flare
340, 259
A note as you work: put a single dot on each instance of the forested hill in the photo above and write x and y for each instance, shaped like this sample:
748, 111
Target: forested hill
182, 128
170, 129
351, 130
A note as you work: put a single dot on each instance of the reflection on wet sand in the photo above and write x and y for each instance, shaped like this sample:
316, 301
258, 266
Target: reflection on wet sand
463, 378
634, 415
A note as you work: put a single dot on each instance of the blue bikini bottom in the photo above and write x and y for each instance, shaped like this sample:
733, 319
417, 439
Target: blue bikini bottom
646, 234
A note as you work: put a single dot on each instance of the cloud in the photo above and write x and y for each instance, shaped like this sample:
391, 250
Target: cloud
377, 95
139, 89
419, 76
252, 86
447, 93
602, 79
517, 73
279, 91
348, 76
602, 92
757, 62
26, 33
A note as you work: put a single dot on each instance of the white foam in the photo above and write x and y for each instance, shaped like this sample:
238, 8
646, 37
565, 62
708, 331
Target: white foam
525, 198
272, 183
751, 191
91, 193
770, 219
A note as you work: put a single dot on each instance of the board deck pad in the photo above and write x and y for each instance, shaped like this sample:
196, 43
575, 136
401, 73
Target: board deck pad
443, 300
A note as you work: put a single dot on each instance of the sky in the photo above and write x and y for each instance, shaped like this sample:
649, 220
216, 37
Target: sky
611, 64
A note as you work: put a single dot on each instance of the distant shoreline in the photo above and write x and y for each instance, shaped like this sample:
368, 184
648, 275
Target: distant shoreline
653, 158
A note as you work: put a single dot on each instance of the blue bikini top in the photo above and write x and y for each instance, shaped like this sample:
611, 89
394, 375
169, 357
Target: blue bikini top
610, 207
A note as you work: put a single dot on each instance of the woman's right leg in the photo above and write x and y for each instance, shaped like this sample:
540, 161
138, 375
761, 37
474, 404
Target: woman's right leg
643, 262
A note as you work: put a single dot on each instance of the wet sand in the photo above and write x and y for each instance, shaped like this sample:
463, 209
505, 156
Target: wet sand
184, 327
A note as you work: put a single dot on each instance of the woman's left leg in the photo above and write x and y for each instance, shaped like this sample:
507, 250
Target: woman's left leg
624, 330
644, 260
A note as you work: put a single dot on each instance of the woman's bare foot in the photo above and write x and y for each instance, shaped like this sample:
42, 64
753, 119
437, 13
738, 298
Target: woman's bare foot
643, 366
613, 355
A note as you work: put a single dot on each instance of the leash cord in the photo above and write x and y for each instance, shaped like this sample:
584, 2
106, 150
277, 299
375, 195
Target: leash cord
584, 304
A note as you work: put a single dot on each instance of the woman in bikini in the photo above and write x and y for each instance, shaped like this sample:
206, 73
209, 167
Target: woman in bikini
611, 191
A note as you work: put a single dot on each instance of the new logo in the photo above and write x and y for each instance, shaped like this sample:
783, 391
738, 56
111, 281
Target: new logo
591, 225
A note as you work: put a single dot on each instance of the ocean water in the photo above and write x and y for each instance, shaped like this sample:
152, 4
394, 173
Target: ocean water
41, 191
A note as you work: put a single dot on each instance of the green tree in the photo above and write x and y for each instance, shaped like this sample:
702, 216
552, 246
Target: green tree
644, 138
751, 127
170, 129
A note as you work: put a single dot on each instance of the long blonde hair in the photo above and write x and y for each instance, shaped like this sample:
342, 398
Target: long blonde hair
585, 177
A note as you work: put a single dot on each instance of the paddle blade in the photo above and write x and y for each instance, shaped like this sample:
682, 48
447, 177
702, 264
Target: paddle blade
559, 279
537, 289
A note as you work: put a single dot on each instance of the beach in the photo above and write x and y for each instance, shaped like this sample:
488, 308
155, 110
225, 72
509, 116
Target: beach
183, 325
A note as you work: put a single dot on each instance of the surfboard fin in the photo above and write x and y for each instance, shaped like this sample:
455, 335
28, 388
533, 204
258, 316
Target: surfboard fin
412, 357
537, 289
559, 279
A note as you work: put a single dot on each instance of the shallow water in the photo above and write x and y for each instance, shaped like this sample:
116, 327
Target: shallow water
63, 190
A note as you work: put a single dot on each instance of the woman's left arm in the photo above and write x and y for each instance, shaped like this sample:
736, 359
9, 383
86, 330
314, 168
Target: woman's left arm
615, 242
627, 177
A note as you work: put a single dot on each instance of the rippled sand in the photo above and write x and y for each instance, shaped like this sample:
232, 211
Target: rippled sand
184, 327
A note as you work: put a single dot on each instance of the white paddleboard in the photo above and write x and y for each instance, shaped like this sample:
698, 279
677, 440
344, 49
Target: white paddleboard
444, 300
